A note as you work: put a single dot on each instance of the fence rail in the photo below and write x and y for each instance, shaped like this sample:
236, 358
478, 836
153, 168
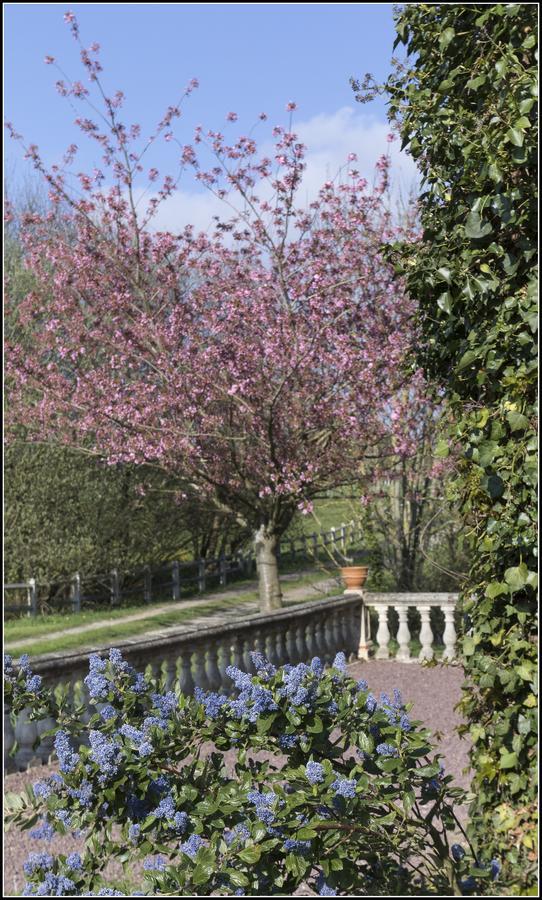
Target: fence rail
177, 577
185, 658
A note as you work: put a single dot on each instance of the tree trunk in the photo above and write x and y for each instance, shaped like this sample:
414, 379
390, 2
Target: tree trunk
265, 546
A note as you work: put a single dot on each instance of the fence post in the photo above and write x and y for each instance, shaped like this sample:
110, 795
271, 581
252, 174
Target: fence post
176, 580
201, 575
76, 593
343, 537
333, 538
147, 584
223, 570
115, 594
32, 595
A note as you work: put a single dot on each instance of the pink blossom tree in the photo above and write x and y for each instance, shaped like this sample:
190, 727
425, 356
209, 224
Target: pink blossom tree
261, 361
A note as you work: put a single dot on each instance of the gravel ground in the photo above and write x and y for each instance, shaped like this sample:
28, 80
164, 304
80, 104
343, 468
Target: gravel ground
433, 692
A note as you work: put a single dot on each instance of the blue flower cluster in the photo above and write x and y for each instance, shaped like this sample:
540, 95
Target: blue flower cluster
339, 663
264, 668
98, 685
239, 833
288, 741
74, 861
192, 845
263, 804
139, 738
37, 861
345, 787
386, 750
51, 886
44, 832
211, 702
44, 789
300, 683
301, 848
166, 704
66, 756
134, 833
84, 793
33, 683
105, 753
314, 772
154, 864
323, 889
253, 700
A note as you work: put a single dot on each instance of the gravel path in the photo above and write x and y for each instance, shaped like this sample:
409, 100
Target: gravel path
433, 692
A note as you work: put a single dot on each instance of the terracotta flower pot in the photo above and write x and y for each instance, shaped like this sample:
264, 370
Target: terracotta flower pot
354, 576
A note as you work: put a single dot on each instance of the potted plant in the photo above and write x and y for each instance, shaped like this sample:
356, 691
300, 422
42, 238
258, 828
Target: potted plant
353, 576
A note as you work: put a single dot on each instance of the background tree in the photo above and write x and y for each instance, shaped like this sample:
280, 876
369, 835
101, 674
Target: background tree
464, 101
66, 511
259, 363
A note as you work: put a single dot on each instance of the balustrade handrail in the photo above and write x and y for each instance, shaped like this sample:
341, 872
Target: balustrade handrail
412, 598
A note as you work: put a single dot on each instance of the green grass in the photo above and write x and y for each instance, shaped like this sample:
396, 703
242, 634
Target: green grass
17, 629
117, 629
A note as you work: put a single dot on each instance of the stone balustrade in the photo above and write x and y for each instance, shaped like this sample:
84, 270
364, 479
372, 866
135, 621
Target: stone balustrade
184, 658
400, 603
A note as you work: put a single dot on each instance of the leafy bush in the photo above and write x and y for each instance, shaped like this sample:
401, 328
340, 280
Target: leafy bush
465, 103
301, 776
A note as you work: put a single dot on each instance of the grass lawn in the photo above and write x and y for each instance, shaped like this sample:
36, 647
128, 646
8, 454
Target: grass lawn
115, 629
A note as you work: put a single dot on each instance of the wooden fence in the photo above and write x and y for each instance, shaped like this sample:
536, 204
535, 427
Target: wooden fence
175, 579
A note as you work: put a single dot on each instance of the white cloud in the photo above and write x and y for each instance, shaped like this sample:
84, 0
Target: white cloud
329, 139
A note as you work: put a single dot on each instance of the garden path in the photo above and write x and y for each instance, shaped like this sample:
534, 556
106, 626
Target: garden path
292, 594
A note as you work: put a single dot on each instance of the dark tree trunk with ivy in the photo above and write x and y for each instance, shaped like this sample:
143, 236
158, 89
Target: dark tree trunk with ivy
464, 101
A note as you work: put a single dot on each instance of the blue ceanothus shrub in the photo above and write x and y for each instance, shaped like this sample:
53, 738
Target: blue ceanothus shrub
301, 776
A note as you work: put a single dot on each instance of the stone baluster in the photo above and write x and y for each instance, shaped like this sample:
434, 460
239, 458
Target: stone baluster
26, 733
291, 649
449, 636
362, 650
213, 672
259, 644
403, 634
337, 633
383, 633
344, 632
171, 681
9, 742
280, 644
426, 633
223, 661
327, 634
271, 648
200, 674
248, 665
301, 643
186, 680
311, 640
237, 654
320, 638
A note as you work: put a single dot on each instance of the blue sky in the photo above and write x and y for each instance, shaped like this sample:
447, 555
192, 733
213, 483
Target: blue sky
248, 58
